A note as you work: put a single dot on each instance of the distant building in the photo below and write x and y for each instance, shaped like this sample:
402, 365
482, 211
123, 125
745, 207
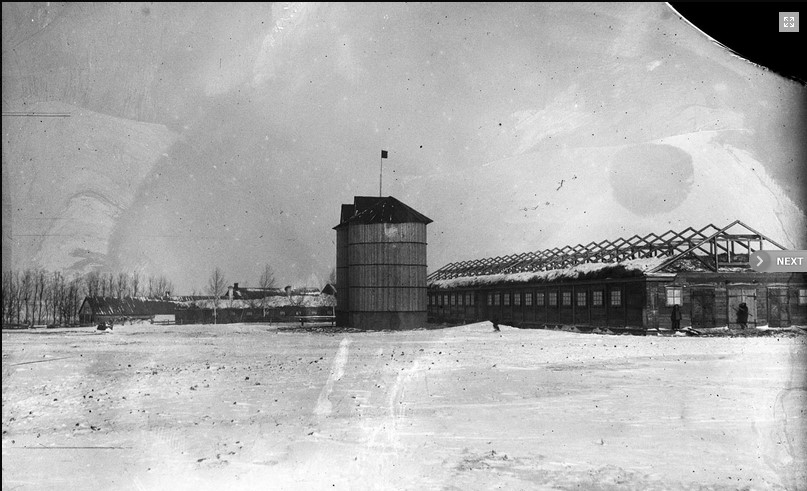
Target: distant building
108, 309
329, 289
246, 293
273, 308
381, 265
625, 284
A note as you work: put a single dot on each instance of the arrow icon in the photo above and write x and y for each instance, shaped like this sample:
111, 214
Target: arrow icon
760, 261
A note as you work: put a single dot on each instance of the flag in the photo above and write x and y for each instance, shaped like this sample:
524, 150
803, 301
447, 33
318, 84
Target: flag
383, 154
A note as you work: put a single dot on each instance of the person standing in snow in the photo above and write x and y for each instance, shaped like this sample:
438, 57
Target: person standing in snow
742, 316
675, 317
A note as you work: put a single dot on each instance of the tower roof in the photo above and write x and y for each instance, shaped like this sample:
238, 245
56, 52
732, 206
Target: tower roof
370, 209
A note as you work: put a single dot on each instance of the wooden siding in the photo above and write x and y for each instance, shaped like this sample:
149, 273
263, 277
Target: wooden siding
387, 267
387, 232
342, 276
630, 313
708, 300
410, 253
374, 299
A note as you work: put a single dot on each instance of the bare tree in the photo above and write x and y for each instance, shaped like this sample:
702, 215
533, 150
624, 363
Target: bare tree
151, 286
163, 286
55, 295
10, 295
108, 284
39, 293
122, 285
135, 282
70, 299
26, 287
216, 287
266, 282
93, 282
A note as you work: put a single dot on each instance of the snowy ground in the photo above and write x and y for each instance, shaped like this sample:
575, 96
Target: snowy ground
257, 407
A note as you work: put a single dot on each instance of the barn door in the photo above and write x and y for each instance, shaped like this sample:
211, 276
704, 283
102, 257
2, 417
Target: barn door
703, 308
778, 308
738, 296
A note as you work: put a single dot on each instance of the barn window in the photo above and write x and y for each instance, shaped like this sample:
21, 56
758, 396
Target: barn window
539, 298
674, 295
553, 298
802, 296
596, 297
528, 299
506, 299
490, 299
517, 298
567, 298
495, 299
581, 299
616, 297
444, 300
453, 299
468, 298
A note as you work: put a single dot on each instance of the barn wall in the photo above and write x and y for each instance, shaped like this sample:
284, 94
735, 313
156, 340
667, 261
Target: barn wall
288, 313
342, 277
387, 275
574, 308
772, 299
708, 300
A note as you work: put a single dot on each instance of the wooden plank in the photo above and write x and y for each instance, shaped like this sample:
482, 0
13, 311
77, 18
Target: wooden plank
387, 232
387, 253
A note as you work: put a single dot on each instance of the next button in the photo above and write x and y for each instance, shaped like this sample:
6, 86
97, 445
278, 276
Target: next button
779, 261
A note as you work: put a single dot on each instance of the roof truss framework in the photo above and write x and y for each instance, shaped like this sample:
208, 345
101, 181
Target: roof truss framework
710, 246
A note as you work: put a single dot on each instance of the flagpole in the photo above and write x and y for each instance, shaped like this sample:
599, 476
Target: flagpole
380, 174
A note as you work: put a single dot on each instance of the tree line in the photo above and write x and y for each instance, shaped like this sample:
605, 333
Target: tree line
38, 297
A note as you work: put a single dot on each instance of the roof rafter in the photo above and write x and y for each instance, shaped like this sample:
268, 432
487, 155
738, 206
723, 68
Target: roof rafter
705, 245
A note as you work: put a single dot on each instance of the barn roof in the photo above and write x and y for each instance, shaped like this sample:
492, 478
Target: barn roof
707, 249
370, 209
129, 306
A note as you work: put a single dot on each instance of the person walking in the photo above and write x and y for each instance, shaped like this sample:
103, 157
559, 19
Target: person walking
742, 316
675, 317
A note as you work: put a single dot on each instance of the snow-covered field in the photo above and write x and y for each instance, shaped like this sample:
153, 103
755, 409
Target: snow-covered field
260, 407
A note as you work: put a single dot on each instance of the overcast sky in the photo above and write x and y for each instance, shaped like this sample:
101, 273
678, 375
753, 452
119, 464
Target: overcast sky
174, 137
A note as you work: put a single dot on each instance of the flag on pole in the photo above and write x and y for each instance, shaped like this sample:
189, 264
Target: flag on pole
383, 154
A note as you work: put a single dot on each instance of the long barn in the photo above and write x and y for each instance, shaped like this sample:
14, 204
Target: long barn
625, 284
